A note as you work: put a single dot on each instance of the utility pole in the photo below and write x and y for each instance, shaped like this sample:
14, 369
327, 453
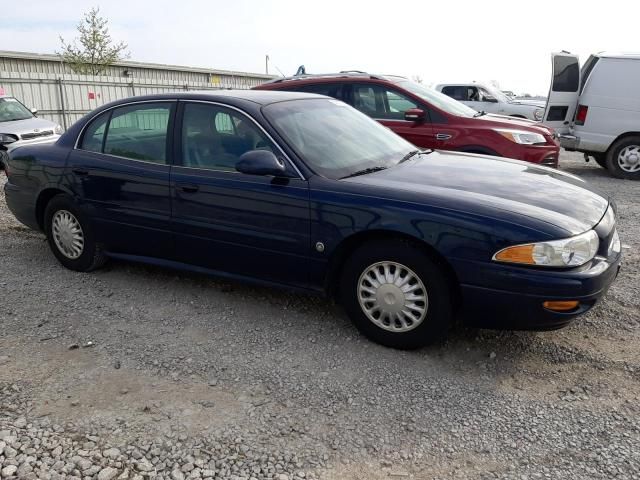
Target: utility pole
266, 64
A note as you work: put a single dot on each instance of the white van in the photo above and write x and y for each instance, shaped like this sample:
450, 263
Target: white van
596, 109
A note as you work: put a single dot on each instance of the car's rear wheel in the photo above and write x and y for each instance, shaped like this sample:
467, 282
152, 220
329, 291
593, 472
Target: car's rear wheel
623, 158
70, 236
396, 295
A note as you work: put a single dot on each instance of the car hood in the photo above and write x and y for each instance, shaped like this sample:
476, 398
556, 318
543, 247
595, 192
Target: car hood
504, 121
30, 125
535, 103
544, 194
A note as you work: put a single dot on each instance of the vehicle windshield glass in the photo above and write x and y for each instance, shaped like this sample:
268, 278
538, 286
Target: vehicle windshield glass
334, 139
11, 110
437, 99
497, 94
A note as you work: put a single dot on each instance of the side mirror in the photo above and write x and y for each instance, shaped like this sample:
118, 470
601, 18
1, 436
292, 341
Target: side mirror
490, 99
34, 111
261, 162
414, 115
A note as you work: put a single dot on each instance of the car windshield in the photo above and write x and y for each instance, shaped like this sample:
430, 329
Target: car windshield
334, 139
11, 110
437, 99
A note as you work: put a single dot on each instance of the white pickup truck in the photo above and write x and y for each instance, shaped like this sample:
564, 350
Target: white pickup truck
485, 98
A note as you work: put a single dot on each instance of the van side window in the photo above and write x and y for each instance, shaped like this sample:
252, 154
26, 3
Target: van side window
566, 72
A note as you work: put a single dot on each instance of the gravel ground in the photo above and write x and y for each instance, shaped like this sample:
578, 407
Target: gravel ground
139, 372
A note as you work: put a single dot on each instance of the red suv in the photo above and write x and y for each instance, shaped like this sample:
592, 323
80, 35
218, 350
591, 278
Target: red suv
430, 119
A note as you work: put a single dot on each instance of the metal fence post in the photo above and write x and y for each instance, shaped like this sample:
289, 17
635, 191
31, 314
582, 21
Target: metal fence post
133, 89
64, 113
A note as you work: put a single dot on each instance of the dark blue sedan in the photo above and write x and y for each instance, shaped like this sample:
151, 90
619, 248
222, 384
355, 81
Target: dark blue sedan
305, 192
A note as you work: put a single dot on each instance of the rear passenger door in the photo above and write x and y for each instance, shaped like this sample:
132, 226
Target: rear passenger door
120, 174
388, 106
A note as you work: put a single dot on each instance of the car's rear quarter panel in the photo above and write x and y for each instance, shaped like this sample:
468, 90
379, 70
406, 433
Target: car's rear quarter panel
32, 171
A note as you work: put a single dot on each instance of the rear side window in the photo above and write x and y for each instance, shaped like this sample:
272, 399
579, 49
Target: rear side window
94, 134
566, 73
139, 132
329, 89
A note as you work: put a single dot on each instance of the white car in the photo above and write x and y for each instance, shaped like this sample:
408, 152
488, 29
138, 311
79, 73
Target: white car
20, 126
596, 110
485, 98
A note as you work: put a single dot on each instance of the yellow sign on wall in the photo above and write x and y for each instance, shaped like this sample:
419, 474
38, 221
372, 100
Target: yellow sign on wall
215, 80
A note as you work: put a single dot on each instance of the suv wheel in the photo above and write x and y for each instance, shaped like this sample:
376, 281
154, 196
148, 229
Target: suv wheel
70, 237
396, 295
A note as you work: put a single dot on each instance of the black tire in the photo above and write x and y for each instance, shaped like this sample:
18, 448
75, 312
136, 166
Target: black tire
613, 154
601, 159
439, 309
92, 255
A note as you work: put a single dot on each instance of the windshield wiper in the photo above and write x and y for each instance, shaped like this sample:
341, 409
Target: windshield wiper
364, 171
413, 153
479, 114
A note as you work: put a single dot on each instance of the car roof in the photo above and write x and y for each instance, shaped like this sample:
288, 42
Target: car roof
260, 97
625, 55
348, 74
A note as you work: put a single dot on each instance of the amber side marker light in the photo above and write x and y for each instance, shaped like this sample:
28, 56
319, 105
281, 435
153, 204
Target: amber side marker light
560, 305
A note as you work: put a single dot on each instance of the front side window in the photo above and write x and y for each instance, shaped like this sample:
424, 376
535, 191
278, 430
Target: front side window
333, 139
12, 110
139, 132
380, 102
214, 137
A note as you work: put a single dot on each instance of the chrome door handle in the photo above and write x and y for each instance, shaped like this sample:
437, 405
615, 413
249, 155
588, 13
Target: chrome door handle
442, 136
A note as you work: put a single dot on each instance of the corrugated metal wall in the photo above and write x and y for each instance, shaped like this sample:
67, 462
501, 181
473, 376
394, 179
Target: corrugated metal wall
44, 83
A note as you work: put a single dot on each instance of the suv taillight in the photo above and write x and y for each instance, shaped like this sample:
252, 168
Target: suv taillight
581, 115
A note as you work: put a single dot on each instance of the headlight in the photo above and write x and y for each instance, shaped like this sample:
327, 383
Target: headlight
6, 138
521, 137
538, 114
568, 252
58, 130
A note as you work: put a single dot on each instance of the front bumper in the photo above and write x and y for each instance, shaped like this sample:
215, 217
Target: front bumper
546, 155
511, 297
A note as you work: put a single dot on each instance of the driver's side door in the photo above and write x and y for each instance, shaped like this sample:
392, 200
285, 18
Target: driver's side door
248, 225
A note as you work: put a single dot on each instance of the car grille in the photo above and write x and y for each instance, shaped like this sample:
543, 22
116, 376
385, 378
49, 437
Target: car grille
32, 135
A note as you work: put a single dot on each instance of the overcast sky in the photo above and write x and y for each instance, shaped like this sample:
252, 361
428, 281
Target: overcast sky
459, 40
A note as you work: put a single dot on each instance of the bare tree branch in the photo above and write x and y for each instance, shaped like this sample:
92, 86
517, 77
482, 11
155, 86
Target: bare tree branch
94, 50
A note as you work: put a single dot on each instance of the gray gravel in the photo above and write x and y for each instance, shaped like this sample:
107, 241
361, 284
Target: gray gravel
177, 376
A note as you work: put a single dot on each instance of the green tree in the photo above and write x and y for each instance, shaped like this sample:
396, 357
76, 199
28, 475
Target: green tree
94, 50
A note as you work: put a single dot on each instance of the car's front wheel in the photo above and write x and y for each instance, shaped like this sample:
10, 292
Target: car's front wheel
396, 295
70, 237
